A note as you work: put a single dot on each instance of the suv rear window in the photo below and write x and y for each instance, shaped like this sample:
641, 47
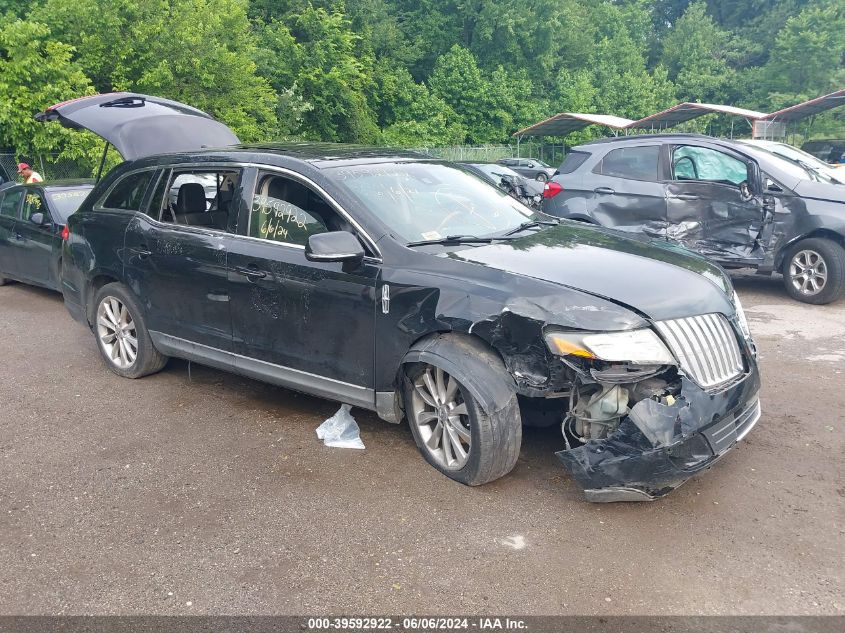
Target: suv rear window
635, 163
573, 161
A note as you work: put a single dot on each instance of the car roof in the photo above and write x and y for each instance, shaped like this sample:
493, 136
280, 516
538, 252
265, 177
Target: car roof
54, 185
318, 155
639, 138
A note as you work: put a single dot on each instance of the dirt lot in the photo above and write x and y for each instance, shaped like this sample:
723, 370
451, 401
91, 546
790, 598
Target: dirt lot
202, 492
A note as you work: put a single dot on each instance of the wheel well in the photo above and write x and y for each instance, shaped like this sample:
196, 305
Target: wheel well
476, 358
93, 288
819, 233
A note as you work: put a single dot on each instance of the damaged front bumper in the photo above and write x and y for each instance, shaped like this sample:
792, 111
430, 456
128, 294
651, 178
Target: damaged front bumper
685, 438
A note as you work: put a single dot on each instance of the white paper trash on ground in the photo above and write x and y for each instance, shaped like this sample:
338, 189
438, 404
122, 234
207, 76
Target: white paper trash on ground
341, 430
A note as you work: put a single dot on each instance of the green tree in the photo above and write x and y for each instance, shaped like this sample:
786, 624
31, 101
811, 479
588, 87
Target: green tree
164, 48
323, 64
695, 53
36, 72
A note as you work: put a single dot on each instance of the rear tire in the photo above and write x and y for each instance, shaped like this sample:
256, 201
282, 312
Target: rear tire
541, 177
814, 271
121, 334
447, 412
3, 281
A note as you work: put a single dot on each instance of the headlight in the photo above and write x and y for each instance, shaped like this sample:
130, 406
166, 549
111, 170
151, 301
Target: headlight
639, 347
740, 317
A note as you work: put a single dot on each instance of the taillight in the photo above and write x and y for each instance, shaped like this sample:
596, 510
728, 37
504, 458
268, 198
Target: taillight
551, 189
65, 233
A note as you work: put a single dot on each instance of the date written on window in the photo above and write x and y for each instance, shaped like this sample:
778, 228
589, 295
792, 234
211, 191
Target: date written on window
277, 216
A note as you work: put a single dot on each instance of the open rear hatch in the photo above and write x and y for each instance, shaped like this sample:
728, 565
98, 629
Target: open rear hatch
139, 125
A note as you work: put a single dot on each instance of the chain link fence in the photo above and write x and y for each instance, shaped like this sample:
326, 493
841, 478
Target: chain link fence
552, 154
50, 166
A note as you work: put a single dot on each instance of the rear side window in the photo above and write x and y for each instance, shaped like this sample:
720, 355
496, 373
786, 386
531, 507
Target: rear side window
635, 163
573, 161
129, 192
11, 203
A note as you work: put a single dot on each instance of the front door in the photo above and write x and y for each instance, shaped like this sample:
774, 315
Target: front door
714, 204
36, 241
297, 322
176, 256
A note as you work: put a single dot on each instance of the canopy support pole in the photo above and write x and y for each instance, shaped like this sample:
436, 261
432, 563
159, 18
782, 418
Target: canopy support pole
103, 161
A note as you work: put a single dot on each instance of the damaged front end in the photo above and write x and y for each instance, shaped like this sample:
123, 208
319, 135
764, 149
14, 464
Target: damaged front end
649, 408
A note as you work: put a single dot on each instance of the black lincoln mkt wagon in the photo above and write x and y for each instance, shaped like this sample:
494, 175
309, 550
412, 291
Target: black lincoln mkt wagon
409, 286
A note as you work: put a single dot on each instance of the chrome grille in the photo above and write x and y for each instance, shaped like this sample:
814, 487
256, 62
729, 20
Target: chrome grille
706, 348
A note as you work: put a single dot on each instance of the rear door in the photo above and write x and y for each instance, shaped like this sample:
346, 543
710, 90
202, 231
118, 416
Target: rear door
36, 241
623, 190
309, 323
714, 205
176, 254
10, 205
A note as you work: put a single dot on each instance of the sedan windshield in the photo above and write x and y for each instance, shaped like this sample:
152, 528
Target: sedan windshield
429, 201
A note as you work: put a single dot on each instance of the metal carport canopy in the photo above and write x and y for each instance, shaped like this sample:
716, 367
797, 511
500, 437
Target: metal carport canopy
687, 111
566, 122
808, 108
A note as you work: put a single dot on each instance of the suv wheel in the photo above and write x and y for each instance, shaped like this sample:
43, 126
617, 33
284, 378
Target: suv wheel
3, 281
452, 431
542, 177
122, 336
814, 271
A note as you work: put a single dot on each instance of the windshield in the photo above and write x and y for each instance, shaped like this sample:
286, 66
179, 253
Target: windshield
800, 164
65, 202
431, 201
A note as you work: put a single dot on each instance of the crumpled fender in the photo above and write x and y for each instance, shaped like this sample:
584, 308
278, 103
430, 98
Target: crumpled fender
480, 370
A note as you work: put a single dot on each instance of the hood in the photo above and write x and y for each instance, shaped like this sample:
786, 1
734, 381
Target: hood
660, 281
820, 190
140, 125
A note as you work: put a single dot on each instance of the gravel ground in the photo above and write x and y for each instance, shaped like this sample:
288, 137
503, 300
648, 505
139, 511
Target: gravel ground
195, 491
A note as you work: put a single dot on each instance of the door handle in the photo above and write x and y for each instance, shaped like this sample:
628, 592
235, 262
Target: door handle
687, 196
606, 190
250, 272
142, 251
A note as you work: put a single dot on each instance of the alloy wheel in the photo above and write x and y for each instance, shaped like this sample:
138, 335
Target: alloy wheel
116, 331
442, 418
808, 272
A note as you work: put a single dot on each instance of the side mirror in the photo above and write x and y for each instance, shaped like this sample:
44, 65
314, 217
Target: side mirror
38, 219
531, 165
745, 190
334, 246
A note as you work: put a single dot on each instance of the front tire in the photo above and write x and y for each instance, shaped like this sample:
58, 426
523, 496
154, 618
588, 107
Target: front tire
541, 177
814, 271
452, 431
122, 336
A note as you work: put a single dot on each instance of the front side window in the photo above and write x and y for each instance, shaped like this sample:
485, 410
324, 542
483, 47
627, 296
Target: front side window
285, 210
431, 200
129, 192
34, 203
634, 163
11, 203
197, 197
702, 163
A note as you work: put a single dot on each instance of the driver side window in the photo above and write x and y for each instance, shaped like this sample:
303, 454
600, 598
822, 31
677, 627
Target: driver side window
287, 211
709, 165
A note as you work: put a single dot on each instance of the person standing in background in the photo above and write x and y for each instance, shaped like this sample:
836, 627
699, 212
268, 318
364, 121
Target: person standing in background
29, 175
